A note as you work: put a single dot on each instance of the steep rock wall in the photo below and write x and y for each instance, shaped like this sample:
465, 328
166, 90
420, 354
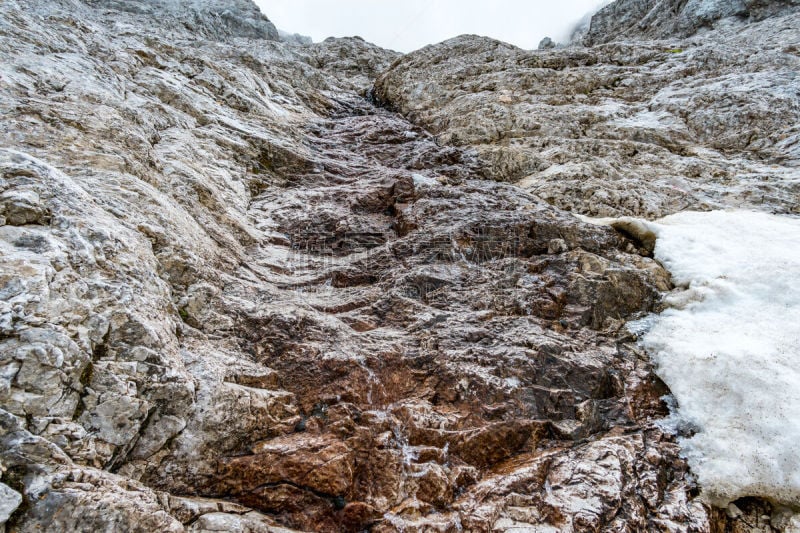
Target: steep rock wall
238, 296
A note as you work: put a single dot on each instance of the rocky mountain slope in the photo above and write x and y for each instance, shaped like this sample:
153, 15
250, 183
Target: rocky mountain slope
659, 19
243, 289
643, 128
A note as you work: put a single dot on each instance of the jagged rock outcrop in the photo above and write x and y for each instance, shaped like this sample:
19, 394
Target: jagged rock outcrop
235, 295
212, 19
628, 128
659, 19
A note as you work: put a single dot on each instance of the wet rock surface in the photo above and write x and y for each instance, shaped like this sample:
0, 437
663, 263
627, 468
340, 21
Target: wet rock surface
238, 296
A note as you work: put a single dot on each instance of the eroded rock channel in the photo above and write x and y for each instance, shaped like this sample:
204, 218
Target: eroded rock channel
238, 295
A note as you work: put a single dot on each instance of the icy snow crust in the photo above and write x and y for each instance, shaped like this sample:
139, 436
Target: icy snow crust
729, 349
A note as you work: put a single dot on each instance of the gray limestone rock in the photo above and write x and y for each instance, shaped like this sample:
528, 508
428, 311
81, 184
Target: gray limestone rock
629, 128
236, 294
9, 502
659, 19
214, 19
546, 44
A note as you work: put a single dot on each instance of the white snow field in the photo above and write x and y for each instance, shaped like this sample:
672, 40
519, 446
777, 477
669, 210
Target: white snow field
729, 349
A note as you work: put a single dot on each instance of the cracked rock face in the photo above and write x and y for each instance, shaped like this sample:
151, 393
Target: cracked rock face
658, 19
644, 128
236, 295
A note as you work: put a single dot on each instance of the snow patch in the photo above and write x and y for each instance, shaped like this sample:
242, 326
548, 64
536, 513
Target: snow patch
729, 349
423, 181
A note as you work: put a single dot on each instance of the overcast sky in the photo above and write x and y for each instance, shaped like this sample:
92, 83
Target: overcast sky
406, 25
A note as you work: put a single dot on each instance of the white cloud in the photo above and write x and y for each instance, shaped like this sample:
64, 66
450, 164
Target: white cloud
411, 24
